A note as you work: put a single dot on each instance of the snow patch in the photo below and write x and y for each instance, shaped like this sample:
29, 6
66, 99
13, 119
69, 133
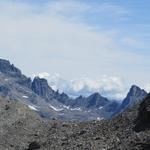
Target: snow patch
78, 109
61, 114
67, 107
100, 107
25, 96
56, 109
72, 109
99, 119
33, 107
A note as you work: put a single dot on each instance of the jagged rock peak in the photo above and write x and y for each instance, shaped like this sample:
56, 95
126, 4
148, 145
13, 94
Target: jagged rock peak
96, 95
7, 68
80, 97
96, 100
40, 80
40, 86
135, 90
134, 96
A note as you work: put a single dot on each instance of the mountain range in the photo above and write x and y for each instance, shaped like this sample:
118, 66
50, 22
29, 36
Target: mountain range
51, 104
23, 129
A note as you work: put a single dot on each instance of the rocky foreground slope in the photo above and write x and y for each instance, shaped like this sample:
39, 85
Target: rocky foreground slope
23, 129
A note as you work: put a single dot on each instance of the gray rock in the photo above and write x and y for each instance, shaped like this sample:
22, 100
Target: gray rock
134, 96
21, 129
41, 88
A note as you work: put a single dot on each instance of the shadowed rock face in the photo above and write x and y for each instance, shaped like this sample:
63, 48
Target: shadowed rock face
143, 119
11, 71
96, 100
134, 96
41, 87
6, 67
34, 146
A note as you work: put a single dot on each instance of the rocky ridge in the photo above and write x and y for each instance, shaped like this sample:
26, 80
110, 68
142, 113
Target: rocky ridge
52, 104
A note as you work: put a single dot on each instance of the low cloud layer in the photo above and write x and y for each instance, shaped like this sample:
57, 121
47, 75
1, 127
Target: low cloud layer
111, 87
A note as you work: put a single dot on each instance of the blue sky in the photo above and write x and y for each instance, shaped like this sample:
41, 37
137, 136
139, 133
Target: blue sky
90, 44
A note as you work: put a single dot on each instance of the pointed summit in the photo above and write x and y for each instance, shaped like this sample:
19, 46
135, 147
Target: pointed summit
136, 91
134, 96
96, 100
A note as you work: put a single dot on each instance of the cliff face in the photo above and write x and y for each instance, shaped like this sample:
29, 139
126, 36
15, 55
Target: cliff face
134, 96
41, 88
143, 119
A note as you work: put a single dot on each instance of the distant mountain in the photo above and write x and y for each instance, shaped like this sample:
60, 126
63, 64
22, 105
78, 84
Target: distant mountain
44, 100
53, 104
95, 101
9, 69
134, 96
16, 86
41, 88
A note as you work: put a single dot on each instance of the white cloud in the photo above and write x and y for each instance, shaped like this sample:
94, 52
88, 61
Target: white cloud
147, 87
41, 75
132, 42
111, 87
76, 9
49, 40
